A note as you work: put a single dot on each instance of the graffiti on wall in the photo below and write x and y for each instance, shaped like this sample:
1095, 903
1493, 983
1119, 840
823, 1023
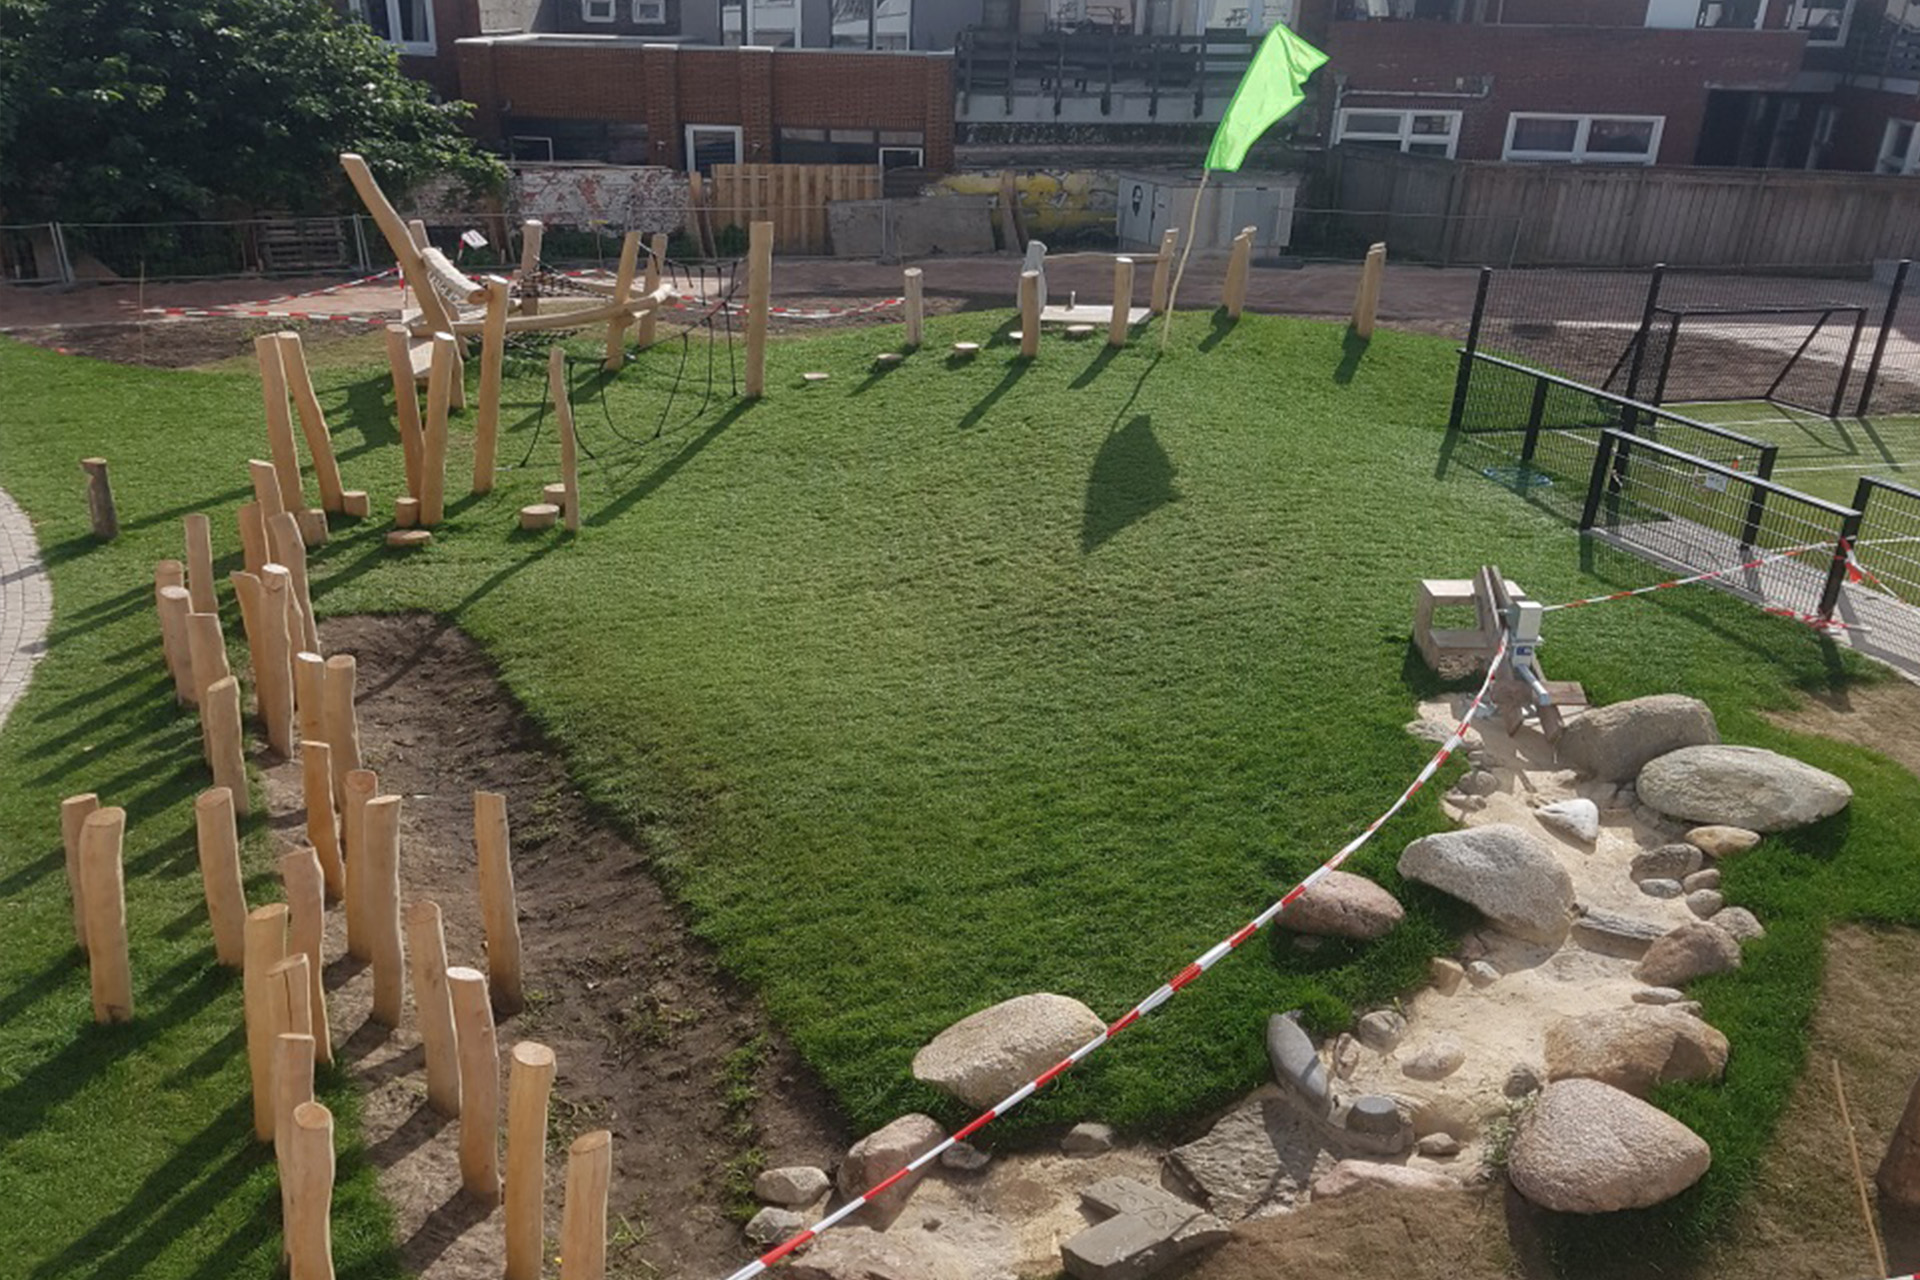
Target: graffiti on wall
1052, 201
621, 197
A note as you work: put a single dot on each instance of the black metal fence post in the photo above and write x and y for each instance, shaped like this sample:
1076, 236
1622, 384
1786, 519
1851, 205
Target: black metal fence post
1464, 378
1880, 339
1536, 414
1837, 572
1757, 498
1631, 418
1599, 484
1846, 366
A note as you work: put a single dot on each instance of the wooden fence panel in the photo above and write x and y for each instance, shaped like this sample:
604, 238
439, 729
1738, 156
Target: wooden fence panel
794, 197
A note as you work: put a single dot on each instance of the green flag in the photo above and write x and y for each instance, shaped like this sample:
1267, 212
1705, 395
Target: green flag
1269, 90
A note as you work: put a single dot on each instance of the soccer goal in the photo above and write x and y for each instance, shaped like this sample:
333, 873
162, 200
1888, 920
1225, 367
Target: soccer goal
1799, 357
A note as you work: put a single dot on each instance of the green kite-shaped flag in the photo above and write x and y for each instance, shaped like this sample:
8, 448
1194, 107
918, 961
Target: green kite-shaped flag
1269, 90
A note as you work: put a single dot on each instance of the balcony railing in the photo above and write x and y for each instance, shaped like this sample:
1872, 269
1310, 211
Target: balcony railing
1075, 74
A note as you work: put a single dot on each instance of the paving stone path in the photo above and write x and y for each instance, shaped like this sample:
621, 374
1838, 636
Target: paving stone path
26, 603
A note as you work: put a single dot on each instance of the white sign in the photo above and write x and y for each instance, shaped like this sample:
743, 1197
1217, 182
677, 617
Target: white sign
473, 239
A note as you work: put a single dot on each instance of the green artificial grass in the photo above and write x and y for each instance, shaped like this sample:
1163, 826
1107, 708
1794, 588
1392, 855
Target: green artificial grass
922, 688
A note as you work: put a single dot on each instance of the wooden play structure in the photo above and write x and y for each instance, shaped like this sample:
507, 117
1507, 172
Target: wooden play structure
1520, 690
1366, 301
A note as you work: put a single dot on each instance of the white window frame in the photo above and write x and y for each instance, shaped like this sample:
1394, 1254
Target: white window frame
739, 141
649, 13
1801, 10
1584, 123
1890, 162
419, 48
599, 10
919, 156
1759, 18
1404, 135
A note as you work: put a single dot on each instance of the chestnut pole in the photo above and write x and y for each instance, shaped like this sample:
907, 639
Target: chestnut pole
220, 717
253, 536
531, 233
323, 820
309, 686
101, 513
266, 946
380, 890
433, 447
493, 350
406, 399
622, 290
583, 1219
306, 925
1239, 264
1163, 270
103, 881
492, 845
310, 1205
341, 720
175, 604
292, 1087
361, 786
1029, 314
1366, 301
200, 562
273, 674
290, 549
74, 812
569, 445
273, 390
169, 573
656, 259
208, 645
479, 1085
759, 297
433, 1004
529, 1081
1122, 319
313, 423
218, 840
916, 306
247, 591
266, 488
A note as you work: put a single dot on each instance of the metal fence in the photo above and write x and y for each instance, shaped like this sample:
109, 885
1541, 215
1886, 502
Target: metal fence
1885, 571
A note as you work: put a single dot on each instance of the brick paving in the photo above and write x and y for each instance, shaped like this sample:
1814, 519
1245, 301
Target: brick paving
26, 603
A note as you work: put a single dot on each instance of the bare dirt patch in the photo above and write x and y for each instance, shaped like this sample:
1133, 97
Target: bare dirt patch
1884, 717
178, 344
654, 1041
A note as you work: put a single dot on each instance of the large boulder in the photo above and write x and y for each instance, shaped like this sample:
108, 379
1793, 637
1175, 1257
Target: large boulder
1612, 743
1688, 951
986, 1056
1511, 876
1588, 1147
1741, 787
1635, 1048
1343, 905
877, 1156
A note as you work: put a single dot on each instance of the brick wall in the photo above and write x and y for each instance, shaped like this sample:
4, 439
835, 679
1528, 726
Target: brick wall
1863, 125
1628, 71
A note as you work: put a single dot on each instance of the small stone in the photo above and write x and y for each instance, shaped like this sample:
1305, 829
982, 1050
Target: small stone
1346, 1056
1466, 804
1739, 922
772, 1225
1668, 862
1612, 934
1482, 973
1577, 818
879, 1155
1522, 1079
1308, 942
1705, 903
1445, 975
1686, 952
1435, 1060
1381, 1030
1295, 1063
1722, 842
1349, 1177
1374, 1113
964, 1157
792, 1186
1480, 782
1659, 888
1087, 1139
1708, 879
1692, 1008
1343, 905
1438, 1146
1658, 995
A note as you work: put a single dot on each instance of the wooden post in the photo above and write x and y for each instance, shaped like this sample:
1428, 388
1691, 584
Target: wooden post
266, 946
622, 290
171, 573
103, 884
292, 1087
306, 924
323, 820
100, 509
759, 297
208, 646
1121, 323
532, 232
248, 592
656, 260
916, 306
1163, 270
497, 908
310, 1204
529, 1081
361, 785
1366, 303
273, 658
265, 478
273, 389
253, 537
493, 350
1029, 314
406, 399
220, 717
380, 889
175, 606
218, 839
1239, 269
433, 1004
74, 812
341, 720
313, 424
479, 1085
309, 695
583, 1218
563, 417
433, 445
290, 549
200, 563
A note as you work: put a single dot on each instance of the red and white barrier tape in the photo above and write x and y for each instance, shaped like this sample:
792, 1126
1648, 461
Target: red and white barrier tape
1164, 993
258, 308
1770, 558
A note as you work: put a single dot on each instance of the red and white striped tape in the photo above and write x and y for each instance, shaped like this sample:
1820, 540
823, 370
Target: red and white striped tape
259, 307
1164, 993
1770, 558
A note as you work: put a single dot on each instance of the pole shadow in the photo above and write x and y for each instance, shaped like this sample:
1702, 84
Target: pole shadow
1132, 478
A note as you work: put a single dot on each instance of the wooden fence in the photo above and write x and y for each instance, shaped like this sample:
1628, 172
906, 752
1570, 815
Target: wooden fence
791, 196
1479, 211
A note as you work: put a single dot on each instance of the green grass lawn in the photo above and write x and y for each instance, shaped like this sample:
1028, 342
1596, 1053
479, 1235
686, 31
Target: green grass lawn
923, 689
1824, 456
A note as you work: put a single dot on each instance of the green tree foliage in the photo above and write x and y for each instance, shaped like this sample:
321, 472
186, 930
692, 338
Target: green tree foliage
131, 110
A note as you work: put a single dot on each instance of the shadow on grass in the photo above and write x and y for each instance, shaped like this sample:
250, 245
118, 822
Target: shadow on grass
1016, 369
671, 466
1095, 367
1132, 478
1223, 324
442, 1227
1352, 348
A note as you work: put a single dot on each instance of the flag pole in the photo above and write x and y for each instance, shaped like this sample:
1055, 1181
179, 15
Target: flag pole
1193, 229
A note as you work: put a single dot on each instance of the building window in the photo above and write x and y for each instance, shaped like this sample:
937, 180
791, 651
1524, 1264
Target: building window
1824, 21
405, 24
1583, 139
649, 13
1421, 133
596, 10
889, 148
1900, 148
766, 23
1729, 15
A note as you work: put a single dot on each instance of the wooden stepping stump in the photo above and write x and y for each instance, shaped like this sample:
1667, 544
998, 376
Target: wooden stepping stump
355, 503
966, 350
555, 494
406, 512
1079, 330
313, 527
813, 378
888, 358
539, 515
407, 539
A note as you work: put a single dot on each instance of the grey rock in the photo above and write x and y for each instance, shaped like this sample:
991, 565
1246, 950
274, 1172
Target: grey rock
1381, 1031
1612, 934
878, 1155
1438, 1146
1131, 1196
1674, 861
1445, 975
1429, 730
1658, 995
1739, 922
1741, 787
1345, 1055
1509, 875
857, 1253
1708, 879
792, 1186
1657, 888
1482, 973
1635, 1048
1588, 1147
1686, 952
1613, 742
1722, 842
964, 1157
1374, 1113
1691, 1008
1523, 1079
1296, 1064
1466, 804
1480, 782
772, 1225
987, 1055
1350, 1177
1257, 1159
1125, 1247
1435, 1060
1578, 818
1087, 1139
1343, 905
1705, 903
